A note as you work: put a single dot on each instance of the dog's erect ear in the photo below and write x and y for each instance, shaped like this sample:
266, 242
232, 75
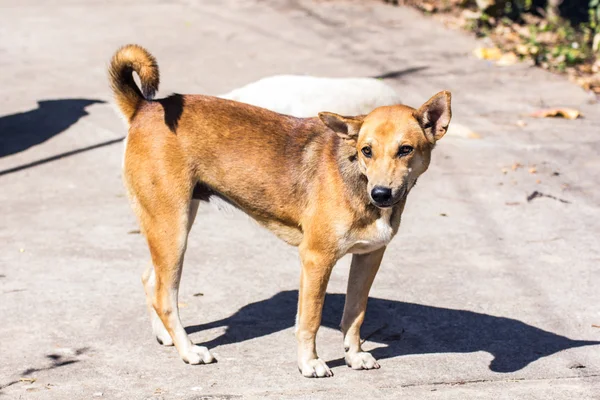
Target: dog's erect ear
346, 127
434, 116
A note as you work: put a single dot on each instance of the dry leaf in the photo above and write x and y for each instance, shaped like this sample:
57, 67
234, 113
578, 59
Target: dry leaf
595, 326
28, 380
507, 59
568, 113
522, 49
428, 7
488, 53
533, 170
468, 14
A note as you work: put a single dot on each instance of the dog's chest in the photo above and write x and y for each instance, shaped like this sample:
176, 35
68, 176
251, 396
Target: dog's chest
373, 236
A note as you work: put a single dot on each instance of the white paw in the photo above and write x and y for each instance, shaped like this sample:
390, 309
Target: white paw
197, 355
315, 368
361, 360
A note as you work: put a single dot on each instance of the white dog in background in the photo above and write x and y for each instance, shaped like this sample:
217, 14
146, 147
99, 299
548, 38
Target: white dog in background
306, 96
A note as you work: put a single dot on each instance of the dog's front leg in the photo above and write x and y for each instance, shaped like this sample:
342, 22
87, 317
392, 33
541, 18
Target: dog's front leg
362, 273
316, 269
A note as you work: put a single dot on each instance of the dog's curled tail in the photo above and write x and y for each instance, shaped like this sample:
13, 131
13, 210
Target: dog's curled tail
128, 96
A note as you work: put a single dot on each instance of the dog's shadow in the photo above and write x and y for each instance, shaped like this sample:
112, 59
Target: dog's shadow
405, 328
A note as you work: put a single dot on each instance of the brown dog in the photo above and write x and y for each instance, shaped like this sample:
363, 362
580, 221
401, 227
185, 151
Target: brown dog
330, 185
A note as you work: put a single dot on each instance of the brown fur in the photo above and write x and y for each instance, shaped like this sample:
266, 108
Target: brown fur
306, 180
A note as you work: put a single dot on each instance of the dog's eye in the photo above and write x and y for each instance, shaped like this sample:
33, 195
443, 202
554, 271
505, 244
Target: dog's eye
404, 150
367, 151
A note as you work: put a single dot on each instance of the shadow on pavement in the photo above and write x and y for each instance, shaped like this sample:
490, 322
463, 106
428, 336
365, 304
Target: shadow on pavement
56, 361
399, 73
20, 131
405, 328
61, 155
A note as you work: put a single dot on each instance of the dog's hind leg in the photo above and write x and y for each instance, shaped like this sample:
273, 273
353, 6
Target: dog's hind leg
149, 281
362, 273
166, 220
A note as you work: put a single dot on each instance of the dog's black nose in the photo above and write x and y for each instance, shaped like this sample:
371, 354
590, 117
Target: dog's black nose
381, 194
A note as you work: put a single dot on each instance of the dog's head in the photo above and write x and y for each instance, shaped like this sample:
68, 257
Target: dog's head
393, 144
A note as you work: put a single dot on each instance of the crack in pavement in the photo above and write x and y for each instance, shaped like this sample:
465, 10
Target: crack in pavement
475, 381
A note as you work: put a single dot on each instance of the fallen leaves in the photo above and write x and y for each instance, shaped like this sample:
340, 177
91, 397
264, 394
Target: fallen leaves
495, 54
488, 53
550, 43
507, 59
591, 82
562, 112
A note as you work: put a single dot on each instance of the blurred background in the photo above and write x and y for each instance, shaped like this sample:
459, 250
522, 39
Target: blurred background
489, 290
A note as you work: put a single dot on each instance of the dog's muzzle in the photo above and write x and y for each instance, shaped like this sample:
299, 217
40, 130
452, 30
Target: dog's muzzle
383, 197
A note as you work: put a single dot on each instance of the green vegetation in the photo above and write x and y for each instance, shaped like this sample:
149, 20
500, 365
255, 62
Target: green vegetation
559, 35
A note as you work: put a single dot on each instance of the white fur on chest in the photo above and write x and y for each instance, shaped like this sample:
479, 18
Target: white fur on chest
374, 236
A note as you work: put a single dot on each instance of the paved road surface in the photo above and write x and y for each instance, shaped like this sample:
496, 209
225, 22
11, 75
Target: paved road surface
483, 294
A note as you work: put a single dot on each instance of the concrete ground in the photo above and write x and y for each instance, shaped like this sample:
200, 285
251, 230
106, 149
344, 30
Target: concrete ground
482, 294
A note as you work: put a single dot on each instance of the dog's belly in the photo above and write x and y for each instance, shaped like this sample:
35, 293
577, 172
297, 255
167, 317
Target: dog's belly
372, 237
289, 233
